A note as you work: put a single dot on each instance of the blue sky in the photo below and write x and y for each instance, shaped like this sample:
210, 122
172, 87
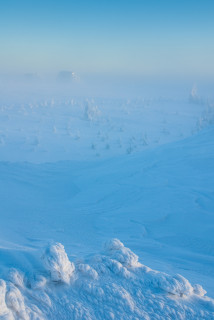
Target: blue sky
137, 37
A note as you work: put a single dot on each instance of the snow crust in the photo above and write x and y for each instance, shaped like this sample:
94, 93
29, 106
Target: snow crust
111, 285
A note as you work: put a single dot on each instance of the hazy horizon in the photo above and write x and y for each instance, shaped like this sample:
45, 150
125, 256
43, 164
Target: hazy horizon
137, 38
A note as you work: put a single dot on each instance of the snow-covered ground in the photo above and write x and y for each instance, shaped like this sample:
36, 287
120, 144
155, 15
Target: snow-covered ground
84, 172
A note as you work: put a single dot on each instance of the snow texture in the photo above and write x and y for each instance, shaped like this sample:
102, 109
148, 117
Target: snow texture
113, 285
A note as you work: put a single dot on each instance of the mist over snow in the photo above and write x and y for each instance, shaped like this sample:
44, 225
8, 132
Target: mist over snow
107, 200
106, 160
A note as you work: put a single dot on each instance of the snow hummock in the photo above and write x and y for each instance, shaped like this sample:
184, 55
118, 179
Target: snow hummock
57, 263
110, 285
124, 255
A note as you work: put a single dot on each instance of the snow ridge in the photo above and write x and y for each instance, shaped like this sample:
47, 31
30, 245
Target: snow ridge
111, 285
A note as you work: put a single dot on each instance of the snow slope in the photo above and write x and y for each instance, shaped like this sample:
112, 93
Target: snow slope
154, 192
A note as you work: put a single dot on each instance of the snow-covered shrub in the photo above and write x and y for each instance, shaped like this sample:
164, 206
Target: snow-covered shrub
15, 301
197, 289
57, 263
5, 314
38, 282
87, 271
193, 97
176, 285
119, 252
16, 277
91, 111
207, 118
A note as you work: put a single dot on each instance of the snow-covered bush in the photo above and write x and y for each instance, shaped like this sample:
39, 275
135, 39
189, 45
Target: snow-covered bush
91, 112
57, 263
119, 252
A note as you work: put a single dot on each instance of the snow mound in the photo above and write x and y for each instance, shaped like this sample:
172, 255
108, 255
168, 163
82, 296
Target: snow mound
124, 255
57, 263
197, 289
87, 271
112, 285
4, 311
16, 277
15, 306
176, 285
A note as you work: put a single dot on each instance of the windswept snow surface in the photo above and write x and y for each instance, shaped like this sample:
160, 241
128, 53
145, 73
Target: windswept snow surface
80, 172
112, 285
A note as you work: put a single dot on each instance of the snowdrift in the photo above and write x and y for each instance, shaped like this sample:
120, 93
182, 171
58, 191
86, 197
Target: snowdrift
111, 285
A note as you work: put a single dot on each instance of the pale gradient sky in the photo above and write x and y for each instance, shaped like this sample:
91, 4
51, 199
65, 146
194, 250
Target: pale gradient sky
137, 37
